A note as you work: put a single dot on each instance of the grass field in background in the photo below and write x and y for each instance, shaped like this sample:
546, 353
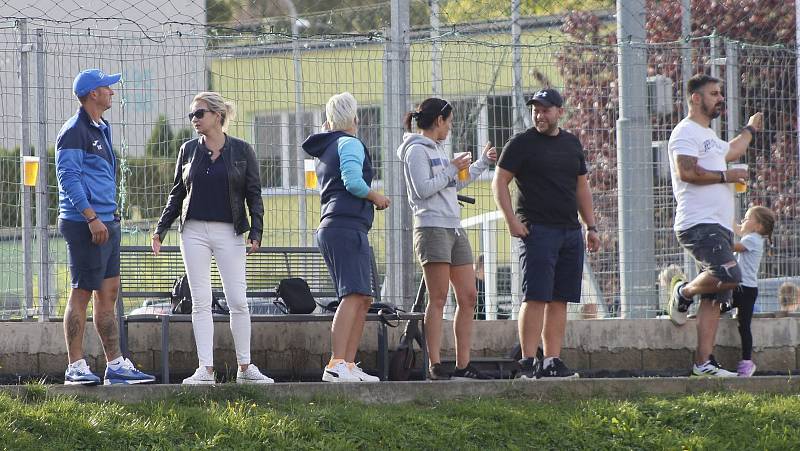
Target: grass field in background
244, 419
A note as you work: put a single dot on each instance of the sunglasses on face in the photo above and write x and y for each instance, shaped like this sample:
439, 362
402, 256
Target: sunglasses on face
198, 113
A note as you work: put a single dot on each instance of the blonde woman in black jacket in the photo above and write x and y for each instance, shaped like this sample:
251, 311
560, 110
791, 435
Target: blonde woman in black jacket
215, 176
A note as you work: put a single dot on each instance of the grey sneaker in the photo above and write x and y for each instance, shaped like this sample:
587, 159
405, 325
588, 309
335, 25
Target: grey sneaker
436, 372
529, 367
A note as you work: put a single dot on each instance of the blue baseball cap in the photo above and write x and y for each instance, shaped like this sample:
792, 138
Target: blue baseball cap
91, 79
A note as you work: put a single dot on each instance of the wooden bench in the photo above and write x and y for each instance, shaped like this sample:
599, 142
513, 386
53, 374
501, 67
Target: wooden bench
146, 277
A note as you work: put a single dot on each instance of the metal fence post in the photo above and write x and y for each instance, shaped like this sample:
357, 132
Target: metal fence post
42, 204
25, 150
396, 96
634, 167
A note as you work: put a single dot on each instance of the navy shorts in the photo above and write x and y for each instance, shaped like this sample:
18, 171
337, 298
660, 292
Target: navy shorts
552, 264
348, 257
90, 264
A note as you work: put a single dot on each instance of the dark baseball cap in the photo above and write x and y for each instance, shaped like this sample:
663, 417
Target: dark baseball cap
546, 97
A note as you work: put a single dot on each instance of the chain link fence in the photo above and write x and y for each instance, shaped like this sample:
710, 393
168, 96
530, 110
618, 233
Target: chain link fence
466, 54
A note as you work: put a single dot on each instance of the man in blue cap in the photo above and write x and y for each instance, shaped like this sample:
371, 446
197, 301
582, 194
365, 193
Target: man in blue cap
549, 168
87, 187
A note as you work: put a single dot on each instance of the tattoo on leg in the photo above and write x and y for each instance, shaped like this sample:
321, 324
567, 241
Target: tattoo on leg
74, 325
106, 325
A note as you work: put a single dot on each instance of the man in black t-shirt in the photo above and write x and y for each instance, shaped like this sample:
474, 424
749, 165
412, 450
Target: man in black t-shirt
549, 169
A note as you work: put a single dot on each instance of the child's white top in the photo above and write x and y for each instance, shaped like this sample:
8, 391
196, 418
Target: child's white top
750, 260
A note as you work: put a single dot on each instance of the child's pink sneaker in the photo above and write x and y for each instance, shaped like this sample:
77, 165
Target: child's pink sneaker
746, 368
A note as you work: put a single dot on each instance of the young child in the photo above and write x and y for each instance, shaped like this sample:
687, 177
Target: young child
756, 226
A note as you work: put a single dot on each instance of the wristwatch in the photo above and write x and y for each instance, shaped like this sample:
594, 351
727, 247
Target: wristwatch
591, 228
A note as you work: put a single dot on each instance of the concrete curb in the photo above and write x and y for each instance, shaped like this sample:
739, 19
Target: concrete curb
426, 391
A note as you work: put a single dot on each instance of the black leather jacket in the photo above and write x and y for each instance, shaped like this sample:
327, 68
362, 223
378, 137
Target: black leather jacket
244, 185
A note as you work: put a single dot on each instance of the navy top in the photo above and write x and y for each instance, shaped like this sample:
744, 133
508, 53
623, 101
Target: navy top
211, 200
340, 208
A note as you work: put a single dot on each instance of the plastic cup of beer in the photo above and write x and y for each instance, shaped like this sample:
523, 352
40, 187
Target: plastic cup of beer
463, 174
30, 166
740, 187
311, 174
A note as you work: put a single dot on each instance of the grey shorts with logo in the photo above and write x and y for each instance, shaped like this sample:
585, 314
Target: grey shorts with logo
711, 245
442, 245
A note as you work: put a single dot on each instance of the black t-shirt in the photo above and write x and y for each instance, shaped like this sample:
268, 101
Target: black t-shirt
546, 170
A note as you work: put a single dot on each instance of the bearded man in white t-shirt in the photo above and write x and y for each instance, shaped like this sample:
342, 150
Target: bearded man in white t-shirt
703, 187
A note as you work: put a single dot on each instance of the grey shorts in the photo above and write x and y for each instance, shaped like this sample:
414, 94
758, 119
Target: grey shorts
711, 245
441, 245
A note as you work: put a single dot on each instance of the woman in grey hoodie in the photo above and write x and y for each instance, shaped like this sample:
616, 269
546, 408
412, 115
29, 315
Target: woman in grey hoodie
441, 245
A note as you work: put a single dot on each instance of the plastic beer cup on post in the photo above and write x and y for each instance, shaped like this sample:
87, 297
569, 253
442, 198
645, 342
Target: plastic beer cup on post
311, 174
463, 174
30, 168
740, 187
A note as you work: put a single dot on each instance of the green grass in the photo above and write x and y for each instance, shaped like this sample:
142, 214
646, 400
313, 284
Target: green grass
244, 419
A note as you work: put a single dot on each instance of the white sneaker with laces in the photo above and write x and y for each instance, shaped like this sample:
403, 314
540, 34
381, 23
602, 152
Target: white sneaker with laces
356, 371
339, 373
711, 369
201, 376
252, 376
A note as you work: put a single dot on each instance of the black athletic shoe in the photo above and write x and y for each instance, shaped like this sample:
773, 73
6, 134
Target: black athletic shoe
529, 367
556, 370
469, 373
436, 372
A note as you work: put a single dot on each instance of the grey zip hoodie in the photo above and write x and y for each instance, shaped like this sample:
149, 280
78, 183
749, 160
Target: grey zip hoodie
432, 181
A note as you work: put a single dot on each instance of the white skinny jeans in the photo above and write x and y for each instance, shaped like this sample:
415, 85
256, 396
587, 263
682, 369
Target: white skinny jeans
199, 241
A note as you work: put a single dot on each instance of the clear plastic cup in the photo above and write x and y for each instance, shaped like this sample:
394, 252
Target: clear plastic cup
30, 166
739, 187
311, 174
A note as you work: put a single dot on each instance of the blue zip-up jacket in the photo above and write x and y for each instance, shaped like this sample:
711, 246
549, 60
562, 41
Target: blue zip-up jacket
340, 207
86, 169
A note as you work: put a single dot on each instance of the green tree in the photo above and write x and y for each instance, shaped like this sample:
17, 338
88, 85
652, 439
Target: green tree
161, 142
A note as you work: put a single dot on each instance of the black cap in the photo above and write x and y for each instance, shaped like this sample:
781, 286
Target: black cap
546, 97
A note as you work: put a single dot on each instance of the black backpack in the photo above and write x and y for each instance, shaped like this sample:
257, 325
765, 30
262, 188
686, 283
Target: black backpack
293, 295
181, 298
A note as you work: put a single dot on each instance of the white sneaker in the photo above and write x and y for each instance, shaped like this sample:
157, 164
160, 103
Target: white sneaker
711, 369
201, 376
356, 371
339, 373
252, 376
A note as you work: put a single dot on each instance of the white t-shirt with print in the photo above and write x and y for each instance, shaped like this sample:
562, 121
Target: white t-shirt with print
700, 204
751, 259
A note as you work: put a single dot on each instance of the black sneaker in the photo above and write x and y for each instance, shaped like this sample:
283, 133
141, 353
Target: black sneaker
556, 370
469, 372
436, 372
529, 367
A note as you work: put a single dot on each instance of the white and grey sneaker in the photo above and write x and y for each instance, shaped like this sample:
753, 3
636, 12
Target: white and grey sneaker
356, 371
339, 373
711, 369
201, 376
252, 376
678, 306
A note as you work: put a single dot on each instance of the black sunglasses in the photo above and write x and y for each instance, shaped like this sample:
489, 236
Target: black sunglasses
198, 113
